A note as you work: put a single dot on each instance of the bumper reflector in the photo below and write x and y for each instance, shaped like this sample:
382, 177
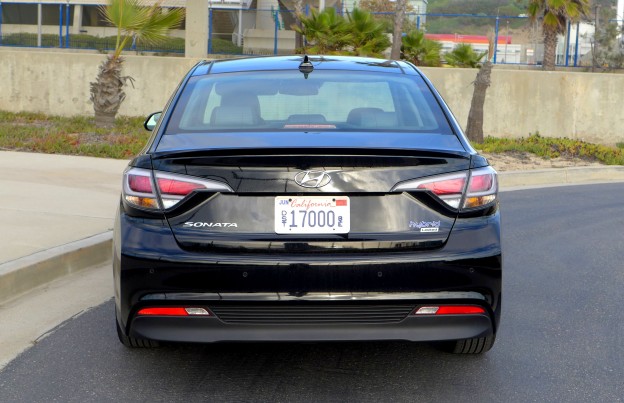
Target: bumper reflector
450, 310
174, 311
426, 310
197, 311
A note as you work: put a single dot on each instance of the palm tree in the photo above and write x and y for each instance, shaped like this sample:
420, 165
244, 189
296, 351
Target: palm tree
298, 15
420, 50
553, 16
463, 55
474, 126
134, 22
327, 32
367, 35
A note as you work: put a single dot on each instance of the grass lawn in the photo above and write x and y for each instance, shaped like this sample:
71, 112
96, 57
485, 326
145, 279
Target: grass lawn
73, 136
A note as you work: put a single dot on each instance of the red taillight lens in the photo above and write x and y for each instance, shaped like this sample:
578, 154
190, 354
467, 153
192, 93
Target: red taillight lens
177, 188
460, 310
163, 311
445, 187
141, 184
481, 183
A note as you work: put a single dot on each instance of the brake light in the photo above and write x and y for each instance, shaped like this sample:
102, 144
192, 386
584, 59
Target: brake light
139, 188
162, 312
141, 184
445, 187
177, 188
476, 188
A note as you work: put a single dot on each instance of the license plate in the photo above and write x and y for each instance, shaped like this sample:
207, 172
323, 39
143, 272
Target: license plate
312, 215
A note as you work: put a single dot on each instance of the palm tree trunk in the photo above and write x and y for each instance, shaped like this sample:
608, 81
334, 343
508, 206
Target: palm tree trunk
107, 92
397, 36
474, 128
298, 13
550, 48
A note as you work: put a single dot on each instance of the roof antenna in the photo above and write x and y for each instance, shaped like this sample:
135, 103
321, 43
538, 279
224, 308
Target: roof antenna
306, 66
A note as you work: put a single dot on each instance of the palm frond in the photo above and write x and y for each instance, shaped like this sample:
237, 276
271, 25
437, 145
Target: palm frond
158, 26
124, 14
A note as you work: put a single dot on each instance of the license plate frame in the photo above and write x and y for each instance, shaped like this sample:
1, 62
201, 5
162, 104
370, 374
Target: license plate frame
312, 215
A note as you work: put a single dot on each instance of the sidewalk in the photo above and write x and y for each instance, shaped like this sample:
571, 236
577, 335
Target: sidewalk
49, 206
56, 211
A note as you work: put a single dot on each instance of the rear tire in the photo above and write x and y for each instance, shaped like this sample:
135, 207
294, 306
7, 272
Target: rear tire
132, 342
477, 345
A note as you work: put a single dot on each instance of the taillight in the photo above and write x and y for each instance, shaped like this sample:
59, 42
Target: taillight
139, 188
468, 189
449, 188
482, 188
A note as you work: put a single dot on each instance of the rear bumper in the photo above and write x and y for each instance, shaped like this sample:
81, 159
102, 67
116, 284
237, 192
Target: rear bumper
150, 269
202, 330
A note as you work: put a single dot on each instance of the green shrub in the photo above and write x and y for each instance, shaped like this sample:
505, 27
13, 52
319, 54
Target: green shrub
84, 41
551, 147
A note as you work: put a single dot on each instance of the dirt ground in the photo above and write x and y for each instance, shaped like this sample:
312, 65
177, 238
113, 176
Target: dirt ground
525, 161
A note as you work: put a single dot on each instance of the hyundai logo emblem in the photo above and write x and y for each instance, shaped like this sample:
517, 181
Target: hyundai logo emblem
312, 179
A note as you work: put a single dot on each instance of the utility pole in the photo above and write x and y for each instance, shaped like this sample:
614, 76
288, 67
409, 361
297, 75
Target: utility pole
596, 32
506, 42
620, 20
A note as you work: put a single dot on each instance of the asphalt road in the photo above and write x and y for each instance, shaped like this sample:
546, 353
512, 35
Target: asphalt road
562, 335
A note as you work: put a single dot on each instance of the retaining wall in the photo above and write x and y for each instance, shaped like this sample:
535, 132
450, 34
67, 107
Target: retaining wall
573, 104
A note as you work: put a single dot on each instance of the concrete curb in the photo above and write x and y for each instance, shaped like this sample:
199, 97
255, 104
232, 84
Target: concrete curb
19, 276
561, 176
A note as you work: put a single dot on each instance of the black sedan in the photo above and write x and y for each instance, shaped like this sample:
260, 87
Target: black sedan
307, 199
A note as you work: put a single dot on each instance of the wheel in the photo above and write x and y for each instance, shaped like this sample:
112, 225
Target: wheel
477, 345
132, 342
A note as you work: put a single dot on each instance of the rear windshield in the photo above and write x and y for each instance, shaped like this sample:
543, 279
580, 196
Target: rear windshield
326, 101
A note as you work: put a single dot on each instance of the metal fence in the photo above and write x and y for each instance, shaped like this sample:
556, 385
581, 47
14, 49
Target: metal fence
238, 31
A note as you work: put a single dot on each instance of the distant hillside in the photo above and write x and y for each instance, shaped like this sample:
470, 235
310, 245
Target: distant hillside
483, 7
481, 26
473, 26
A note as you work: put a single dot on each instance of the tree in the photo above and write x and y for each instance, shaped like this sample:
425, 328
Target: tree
298, 15
420, 50
553, 16
397, 36
133, 22
325, 31
474, 126
607, 43
384, 11
463, 55
382, 6
367, 36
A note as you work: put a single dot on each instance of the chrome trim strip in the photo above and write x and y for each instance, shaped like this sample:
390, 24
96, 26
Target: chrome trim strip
314, 296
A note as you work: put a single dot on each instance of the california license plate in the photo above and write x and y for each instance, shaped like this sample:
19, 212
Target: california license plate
312, 215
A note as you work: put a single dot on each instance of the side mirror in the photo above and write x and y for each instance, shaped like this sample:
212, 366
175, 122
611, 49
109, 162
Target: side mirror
151, 121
